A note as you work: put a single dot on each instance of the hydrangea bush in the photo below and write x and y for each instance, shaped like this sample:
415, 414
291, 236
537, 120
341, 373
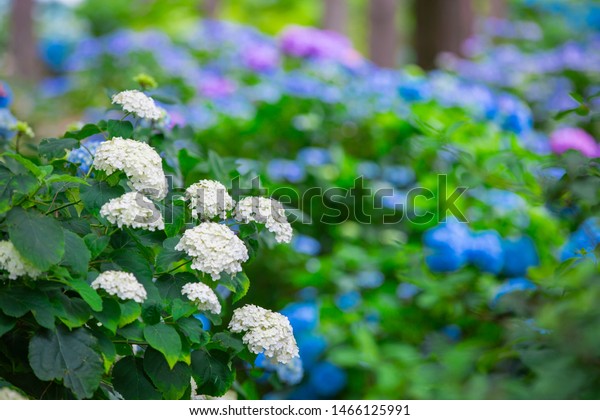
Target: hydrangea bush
109, 278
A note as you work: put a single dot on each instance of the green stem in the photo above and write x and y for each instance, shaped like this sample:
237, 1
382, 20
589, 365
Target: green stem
63, 207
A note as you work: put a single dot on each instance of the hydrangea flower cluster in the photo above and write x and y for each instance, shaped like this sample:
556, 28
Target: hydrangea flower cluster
121, 284
138, 103
139, 161
133, 210
209, 199
214, 248
13, 262
203, 296
267, 211
84, 155
451, 245
583, 241
290, 373
573, 138
265, 332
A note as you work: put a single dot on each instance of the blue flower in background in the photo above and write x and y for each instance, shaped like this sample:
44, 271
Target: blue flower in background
327, 379
286, 170
289, 373
453, 332
448, 244
348, 301
5, 95
304, 316
314, 156
369, 170
306, 245
399, 176
413, 89
485, 251
311, 346
370, 279
518, 284
406, 291
204, 320
583, 241
55, 53
519, 254
7, 123
84, 155
51, 87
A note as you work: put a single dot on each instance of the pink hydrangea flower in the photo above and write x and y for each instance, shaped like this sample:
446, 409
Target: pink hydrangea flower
572, 138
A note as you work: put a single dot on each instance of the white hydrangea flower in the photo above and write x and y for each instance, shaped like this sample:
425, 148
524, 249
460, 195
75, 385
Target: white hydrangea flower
133, 210
214, 248
10, 394
209, 199
266, 332
139, 161
121, 284
268, 212
11, 261
203, 296
137, 103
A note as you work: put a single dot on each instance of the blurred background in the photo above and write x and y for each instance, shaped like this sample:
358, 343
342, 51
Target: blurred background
500, 96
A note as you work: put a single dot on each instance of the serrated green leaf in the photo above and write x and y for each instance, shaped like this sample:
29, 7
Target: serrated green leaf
67, 179
130, 311
228, 341
118, 128
96, 244
73, 312
192, 329
167, 256
86, 131
39, 239
97, 194
169, 285
77, 255
69, 356
6, 324
166, 340
89, 295
238, 284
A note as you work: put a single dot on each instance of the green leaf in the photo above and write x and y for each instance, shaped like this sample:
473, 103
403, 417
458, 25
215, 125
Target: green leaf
169, 285
192, 329
99, 193
77, 255
131, 382
151, 313
165, 339
85, 132
96, 244
167, 256
88, 294
171, 382
117, 128
73, 312
67, 179
110, 314
217, 167
6, 324
132, 259
130, 311
17, 301
52, 148
577, 97
39, 239
238, 284
180, 309
228, 341
174, 217
69, 356
212, 372
107, 349
14, 182
133, 331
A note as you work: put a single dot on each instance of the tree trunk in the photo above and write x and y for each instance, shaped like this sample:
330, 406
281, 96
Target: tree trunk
22, 43
210, 8
335, 15
383, 38
441, 26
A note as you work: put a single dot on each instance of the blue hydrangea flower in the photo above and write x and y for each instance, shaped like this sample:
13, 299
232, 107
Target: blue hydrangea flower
304, 244
314, 156
485, 251
370, 279
406, 291
518, 284
399, 176
369, 170
519, 254
453, 332
348, 301
583, 241
5, 95
84, 156
7, 123
204, 320
327, 379
289, 373
286, 170
304, 316
311, 346
447, 245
